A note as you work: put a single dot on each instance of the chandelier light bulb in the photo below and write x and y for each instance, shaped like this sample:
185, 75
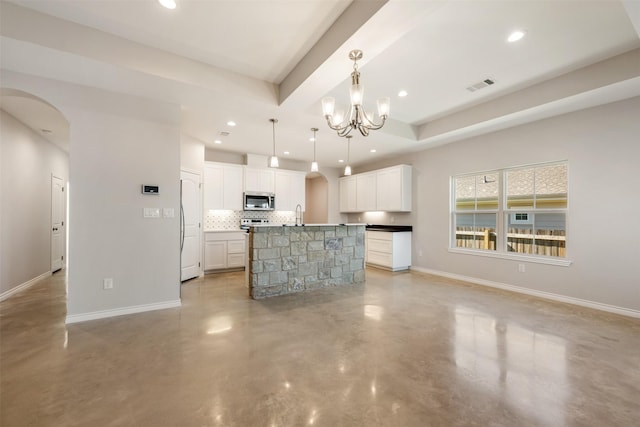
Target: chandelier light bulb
314, 166
347, 170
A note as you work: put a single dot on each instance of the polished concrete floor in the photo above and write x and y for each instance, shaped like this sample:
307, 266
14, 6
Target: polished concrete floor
404, 349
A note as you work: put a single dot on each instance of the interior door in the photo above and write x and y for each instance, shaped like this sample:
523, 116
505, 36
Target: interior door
57, 223
190, 225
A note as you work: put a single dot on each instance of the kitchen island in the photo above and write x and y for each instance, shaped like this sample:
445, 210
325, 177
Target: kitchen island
287, 259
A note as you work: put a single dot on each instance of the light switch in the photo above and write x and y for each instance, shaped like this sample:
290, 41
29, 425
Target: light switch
152, 212
167, 212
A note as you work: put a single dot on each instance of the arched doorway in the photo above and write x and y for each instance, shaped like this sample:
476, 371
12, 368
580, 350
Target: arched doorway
316, 199
35, 173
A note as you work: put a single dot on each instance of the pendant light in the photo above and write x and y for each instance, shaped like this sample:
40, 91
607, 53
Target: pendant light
347, 169
314, 164
273, 160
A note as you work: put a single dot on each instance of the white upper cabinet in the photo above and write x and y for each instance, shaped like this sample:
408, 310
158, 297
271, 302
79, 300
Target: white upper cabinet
222, 186
261, 180
289, 189
348, 200
394, 189
386, 189
366, 191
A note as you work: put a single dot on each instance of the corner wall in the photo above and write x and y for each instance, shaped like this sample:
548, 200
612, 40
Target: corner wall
118, 142
602, 148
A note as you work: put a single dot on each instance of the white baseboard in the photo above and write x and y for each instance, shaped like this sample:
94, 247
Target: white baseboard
101, 314
22, 287
541, 294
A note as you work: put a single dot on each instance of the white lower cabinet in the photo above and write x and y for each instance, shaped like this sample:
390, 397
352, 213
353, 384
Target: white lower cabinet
390, 250
223, 250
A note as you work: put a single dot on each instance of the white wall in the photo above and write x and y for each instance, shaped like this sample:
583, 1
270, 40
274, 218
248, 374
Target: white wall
602, 146
118, 143
191, 153
28, 161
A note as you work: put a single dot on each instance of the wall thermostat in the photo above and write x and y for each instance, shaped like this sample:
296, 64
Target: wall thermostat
150, 189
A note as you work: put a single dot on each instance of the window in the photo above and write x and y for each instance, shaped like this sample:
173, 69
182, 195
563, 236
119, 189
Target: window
517, 211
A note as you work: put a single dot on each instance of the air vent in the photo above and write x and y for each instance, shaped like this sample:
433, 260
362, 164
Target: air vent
225, 133
480, 85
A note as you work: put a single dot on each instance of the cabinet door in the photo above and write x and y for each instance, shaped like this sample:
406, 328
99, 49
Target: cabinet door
266, 181
389, 192
348, 202
213, 187
215, 255
261, 180
232, 193
283, 191
394, 189
366, 191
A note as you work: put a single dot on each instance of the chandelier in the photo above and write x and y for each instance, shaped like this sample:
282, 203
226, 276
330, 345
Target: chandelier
357, 117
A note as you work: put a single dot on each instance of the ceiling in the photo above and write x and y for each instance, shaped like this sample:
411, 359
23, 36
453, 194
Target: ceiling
248, 61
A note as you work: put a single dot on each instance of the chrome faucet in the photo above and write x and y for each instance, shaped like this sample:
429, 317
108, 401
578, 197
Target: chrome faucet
298, 214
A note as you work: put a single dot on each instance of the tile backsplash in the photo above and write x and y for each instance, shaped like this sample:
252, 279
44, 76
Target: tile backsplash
230, 220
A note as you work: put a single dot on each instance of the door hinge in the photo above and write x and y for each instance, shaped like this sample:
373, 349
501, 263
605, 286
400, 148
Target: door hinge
198, 225
62, 188
62, 223
198, 264
199, 185
62, 257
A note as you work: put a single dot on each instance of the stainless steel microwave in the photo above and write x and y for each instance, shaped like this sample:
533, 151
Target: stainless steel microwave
256, 201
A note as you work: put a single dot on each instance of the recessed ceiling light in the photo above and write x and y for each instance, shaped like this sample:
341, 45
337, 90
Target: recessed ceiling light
169, 4
286, 153
217, 141
231, 123
516, 35
373, 150
340, 161
402, 93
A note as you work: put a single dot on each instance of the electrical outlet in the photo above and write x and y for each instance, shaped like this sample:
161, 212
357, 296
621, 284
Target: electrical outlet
522, 268
393, 219
107, 283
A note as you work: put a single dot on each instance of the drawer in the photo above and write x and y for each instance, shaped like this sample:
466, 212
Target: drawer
236, 246
235, 260
376, 245
224, 235
379, 258
379, 235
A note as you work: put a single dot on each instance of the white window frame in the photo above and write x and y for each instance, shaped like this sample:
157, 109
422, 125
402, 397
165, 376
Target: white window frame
503, 214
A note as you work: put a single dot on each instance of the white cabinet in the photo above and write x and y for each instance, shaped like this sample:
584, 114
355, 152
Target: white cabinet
389, 250
386, 189
348, 200
394, 189
366, 194
223, 250
222, 186
290, 190
261, 180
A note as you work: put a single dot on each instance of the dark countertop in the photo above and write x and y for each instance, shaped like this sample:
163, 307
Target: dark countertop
388, 228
